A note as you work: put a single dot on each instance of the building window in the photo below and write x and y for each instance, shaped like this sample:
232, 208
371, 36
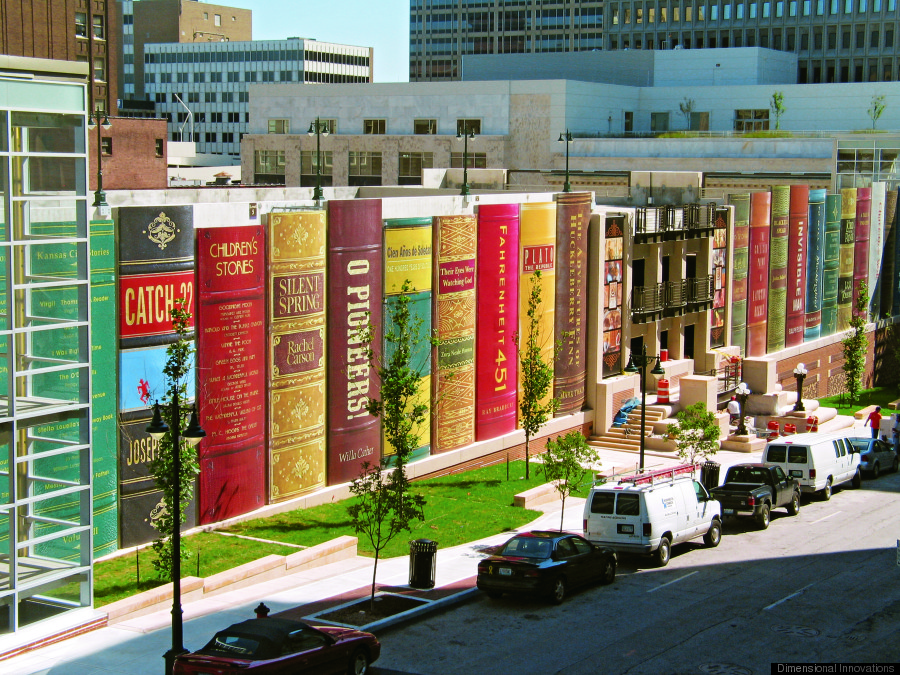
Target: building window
210, 137
215, 77
268, 76
308, 161
243, 97
159, 147
477, 160
98, 26
199, 76
217, 19
468, 126
160, 97
411, 166
193, 97
365, 168
234, 76
182, 78
234, 118
659, 122
106, 145
424, 126
215, 118
250, 76
287, 75
279, 126
268, 166
99, 70
81, 24
227, 97
374, 126
210, 97
751, 120
227, 137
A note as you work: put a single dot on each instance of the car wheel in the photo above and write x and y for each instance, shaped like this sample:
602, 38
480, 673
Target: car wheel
856, 481
826, 491
714, 534
764, 517
896, 465
494, 595
609, 572
794, 507
359, 663
876, 471
664, 552
558, 594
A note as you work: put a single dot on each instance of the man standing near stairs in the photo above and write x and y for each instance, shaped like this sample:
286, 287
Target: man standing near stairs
734, 409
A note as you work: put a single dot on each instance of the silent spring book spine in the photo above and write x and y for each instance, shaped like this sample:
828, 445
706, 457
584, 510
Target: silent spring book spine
758, 279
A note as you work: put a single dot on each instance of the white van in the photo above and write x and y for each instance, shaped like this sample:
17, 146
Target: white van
819, 461
650, 512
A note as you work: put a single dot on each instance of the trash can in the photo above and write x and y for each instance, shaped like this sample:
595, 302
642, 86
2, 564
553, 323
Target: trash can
422, 557
709, 475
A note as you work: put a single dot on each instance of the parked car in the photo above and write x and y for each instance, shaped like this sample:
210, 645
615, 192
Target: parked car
650, 512
272, 646
819, 461
546, 563
755, 489
875, 456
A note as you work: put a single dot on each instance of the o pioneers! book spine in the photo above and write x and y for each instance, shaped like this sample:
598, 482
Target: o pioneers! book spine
778, 260
758, 280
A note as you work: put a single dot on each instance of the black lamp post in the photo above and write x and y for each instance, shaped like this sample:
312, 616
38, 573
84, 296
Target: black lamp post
192, 434
800, 373
637, 363
465, 135
567, 139
319, 129
743, 393
94, 120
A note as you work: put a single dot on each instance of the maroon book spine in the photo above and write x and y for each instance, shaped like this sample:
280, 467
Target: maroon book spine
355, 283
573, 213
861, 245
798, 239
758, 279
498, 320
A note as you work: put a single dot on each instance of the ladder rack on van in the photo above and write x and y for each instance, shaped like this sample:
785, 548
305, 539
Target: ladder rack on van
660, 474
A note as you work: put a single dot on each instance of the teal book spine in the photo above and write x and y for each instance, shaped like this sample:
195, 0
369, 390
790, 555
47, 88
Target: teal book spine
831, 252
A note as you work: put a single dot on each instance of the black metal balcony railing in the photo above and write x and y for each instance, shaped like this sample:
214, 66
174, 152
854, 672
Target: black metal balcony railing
646, 303
658, 223
671, 298
675, 300
700, 291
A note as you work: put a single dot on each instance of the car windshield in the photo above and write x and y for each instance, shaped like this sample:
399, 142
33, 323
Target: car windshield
861, 444
236, 645
748, 475
527, 547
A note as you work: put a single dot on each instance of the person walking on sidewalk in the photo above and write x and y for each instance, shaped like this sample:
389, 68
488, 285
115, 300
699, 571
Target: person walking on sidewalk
734, 409
874, 420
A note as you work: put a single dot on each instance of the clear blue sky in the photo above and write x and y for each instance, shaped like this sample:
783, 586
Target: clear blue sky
381, 24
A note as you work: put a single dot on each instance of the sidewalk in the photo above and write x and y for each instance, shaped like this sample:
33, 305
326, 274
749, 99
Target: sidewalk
136, 646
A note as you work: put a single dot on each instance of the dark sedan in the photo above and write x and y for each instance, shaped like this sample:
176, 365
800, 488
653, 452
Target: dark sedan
547, 563
269, 646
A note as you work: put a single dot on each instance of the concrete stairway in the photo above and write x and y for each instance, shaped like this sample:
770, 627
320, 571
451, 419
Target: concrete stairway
628, 437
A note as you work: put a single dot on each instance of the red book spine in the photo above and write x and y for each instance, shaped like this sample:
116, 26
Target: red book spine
355, 282
498, 320
861, 245
758, 278
798, 238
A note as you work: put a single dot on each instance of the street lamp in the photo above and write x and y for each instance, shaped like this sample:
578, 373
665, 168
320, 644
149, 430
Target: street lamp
638, 364
94, 120
742, 391
464, 136
192, 434
319, 129
800, 373
567, 139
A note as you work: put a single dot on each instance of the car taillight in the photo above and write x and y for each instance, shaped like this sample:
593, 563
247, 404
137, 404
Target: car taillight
584, 525
532, 573
812, 473
751, 501
646, 529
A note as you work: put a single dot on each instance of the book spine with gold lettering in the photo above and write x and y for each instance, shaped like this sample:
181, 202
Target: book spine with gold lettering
847, 243
355, 281
537, 254
758, 279
453, 363
155, 268
497, 303
861, 245
231, 370
888, 270
408, 256
296, 315
778, 265
573, 214
798, 242
876, 247
741, 247
815, 265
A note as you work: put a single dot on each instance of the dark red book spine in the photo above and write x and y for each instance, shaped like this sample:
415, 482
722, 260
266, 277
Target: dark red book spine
498, 320
798, 239
758, 279
355, 283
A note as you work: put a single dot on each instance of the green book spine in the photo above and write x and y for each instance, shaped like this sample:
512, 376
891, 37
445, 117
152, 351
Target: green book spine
741, 245
847, 245
778, 259
831, 269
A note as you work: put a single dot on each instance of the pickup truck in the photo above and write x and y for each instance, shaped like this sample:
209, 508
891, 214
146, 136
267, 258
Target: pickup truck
755, 489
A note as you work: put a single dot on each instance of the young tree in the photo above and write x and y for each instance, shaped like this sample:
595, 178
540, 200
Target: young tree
178, 365
687, 107
537, 373
876, 108
567, 461
777, 106
696, 433
856, 344
384, 505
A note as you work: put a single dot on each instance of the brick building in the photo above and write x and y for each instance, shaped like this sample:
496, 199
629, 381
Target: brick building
134, 154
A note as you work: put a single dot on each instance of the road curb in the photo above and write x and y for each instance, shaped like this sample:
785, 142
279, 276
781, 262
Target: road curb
417, 613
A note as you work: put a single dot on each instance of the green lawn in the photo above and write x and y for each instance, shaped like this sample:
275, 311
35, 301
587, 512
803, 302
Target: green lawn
877, 396
460, 508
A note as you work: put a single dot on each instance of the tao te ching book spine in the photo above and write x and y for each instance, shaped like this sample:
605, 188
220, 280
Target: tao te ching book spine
231, 370
498, 320
741, 203
876, 246
297, 452
861, 244
798, 240
888, 285
815, 265
537, 253
408, 256
453, 366
573, 214
778, 268
848, 243
355, 278
758, 279
831, 264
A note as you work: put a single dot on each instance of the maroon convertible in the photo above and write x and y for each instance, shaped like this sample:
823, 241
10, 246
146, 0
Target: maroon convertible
269, 646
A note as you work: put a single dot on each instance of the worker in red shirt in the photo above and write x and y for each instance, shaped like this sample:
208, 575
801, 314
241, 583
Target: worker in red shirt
874, 420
